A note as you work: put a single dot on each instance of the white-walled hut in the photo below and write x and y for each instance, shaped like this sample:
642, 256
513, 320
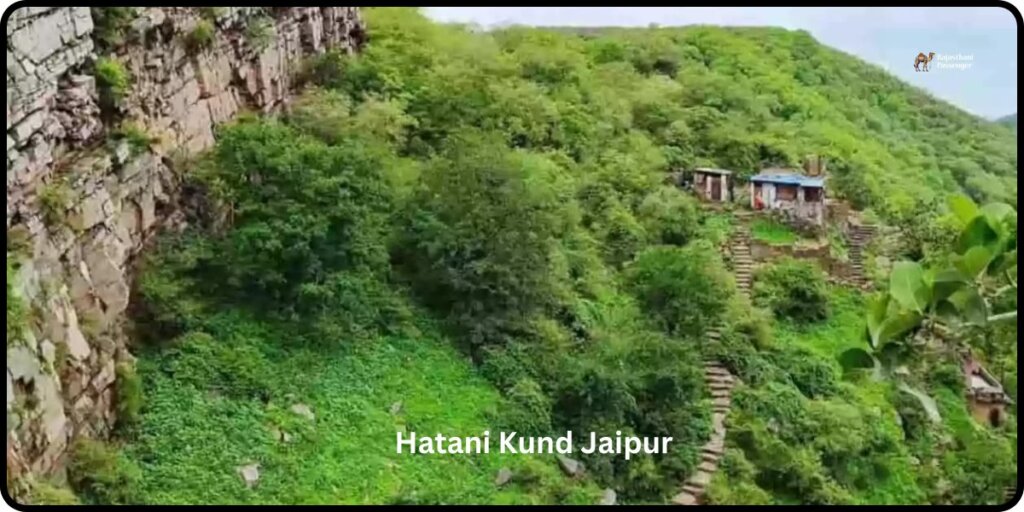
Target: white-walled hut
712, 184
799, 197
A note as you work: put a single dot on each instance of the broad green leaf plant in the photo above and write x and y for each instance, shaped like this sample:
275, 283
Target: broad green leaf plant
924, 305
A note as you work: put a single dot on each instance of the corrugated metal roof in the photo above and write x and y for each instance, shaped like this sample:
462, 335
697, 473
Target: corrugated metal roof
708, 170
789, 179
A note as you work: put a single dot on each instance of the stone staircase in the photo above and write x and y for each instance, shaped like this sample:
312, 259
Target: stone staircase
720, 382
860, 237
742, 261
1010, 494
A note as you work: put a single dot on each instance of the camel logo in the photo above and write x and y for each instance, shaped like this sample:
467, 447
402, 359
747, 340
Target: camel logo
944, 62
923, 59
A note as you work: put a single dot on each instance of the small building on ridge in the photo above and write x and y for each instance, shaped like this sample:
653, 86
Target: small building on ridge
798, 197
712, 184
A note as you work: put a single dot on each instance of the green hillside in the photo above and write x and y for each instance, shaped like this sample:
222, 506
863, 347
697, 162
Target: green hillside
1010, 120
455, 232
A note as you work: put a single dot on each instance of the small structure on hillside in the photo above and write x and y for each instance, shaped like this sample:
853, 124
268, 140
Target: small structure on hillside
985, 396
815, 166
800, 198
712, 184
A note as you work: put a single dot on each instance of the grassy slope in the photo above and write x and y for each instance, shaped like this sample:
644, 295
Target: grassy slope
772, 232
192, 438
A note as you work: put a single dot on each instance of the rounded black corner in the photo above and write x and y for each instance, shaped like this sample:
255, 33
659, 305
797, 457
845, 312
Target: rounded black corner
1015, 499
8, 499
1012, 9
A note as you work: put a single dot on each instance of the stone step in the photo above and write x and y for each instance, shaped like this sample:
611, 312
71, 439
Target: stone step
684, 498
716, 370
716, 448
712, 457
710, 467
719, 384
720, 393
713, 334
699, 479
695, 490
721, 402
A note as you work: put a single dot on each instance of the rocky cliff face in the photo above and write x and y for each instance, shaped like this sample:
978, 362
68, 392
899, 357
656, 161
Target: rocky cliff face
93, 166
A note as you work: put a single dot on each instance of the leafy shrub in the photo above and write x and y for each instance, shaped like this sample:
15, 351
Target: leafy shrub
138, 140
259, 32
327, 69
792, 289
504, 365
324, 114
100, 472
686, 288
302, 211
111, 25
949, 375
169, 304
528, 411
812, 375
669, 216
129, 394
354, 305
198, 359
54, 201
42, 492
737, 493
622, 236
482, 235
201, 36
113, 82
751, 323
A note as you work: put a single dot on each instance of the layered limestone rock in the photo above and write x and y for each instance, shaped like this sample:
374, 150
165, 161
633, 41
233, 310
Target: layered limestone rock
81, 206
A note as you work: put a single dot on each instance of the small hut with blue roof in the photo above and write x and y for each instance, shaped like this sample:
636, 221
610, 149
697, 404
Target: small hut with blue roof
799, 197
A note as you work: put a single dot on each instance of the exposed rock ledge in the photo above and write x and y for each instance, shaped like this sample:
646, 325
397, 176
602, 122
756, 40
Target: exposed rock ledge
74, 259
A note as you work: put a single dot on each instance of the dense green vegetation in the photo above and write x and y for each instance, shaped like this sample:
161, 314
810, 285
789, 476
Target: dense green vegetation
456, 232
792, 289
